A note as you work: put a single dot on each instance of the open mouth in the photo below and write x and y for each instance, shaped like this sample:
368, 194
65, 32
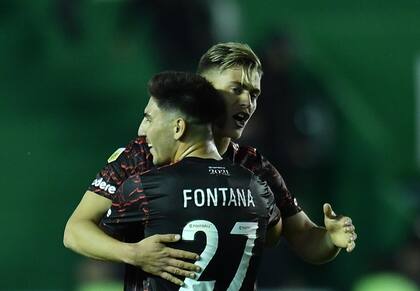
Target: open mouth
240, 119
149, 145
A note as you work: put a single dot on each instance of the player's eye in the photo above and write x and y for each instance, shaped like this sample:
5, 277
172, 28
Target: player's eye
237, 90
147, 118
254, 95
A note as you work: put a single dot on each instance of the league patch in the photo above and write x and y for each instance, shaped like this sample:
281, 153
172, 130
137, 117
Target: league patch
115, 155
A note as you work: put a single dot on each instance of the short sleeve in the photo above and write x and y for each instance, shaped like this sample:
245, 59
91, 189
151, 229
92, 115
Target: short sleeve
284, 200
128, 212
124, 162
271, 210
251, 159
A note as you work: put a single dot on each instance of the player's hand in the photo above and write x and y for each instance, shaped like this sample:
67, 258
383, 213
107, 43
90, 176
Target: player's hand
154, 257
340, 228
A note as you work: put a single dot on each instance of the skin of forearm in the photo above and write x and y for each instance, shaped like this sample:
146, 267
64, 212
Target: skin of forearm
86, 238
310, 241
273, 235
315, 245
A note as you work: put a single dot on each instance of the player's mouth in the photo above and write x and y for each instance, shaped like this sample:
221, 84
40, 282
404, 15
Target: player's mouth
149, 145
151, 149
240, 119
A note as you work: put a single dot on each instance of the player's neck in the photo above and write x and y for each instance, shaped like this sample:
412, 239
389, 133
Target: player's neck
204, 150
222, 144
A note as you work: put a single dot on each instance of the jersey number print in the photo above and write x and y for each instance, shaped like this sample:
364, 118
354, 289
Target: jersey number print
248, 229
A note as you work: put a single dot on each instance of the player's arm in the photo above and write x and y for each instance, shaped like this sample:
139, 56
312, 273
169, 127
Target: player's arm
316, 244
274, 234
313, 243
84, 236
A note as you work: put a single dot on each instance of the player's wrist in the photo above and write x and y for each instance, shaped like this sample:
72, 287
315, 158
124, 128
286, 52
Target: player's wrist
129, 254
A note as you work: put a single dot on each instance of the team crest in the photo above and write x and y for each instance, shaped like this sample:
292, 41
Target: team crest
115, 155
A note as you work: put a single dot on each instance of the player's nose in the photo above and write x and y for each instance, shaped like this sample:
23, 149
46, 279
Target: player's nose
245, 100
142, 129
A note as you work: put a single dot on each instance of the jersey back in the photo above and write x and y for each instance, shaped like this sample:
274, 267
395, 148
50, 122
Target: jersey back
221, 210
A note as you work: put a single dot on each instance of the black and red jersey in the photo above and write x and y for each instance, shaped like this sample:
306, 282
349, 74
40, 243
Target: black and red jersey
124, 162
251, 159
136, 158
221, 209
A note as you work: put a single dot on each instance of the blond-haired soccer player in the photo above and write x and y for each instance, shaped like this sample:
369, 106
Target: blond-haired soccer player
236, 71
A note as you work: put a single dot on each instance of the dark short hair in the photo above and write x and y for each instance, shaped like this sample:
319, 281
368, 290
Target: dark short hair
189, 93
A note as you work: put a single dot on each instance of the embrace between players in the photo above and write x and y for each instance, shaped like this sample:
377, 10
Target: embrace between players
183, 182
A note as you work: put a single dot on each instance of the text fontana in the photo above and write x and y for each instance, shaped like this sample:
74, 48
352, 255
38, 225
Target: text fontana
218, 197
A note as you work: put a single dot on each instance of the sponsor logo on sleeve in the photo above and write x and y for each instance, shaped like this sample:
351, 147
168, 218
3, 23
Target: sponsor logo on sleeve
101, 184
115, 155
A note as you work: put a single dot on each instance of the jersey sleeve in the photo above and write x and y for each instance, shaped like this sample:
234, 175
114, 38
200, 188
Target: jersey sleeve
284, 200
259, 186
123, 163
251, 159
129, 210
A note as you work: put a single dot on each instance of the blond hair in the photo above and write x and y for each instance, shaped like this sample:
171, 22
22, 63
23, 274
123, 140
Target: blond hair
227, 55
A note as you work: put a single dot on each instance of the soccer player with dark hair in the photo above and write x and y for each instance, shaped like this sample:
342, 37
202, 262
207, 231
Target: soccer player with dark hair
220, 208
234, 70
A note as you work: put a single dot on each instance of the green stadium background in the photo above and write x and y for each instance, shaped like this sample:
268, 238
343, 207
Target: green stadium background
65, 105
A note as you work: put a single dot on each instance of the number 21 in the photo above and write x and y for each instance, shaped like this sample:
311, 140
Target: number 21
248, 229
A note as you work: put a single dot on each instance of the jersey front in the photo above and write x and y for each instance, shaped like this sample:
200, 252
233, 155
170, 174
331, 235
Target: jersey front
221, 210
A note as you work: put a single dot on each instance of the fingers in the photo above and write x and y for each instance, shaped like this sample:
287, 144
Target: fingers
183, 265
349, 229
348, 221
179, 272
166, 237
179, 268
170, 278
180, 254
344, 221
351, 242
351, 246
352, 238
328, 211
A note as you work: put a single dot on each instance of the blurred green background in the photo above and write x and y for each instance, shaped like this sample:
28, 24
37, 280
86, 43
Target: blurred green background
73, 80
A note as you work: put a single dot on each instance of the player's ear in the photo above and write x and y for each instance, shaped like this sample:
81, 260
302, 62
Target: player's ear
179, 128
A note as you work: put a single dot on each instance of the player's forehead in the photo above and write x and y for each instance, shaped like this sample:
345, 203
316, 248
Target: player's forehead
151, 107
240, 75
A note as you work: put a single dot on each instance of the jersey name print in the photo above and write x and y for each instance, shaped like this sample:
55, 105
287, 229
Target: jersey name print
210, 197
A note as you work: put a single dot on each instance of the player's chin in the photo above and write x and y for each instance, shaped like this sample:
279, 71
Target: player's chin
235, 133
156, 161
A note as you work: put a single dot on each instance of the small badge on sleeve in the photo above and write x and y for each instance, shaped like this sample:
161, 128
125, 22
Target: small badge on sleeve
115, 155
